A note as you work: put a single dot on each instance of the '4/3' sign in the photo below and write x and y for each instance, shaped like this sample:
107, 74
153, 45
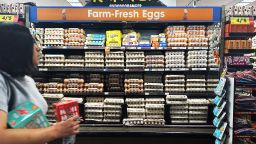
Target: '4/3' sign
7, 18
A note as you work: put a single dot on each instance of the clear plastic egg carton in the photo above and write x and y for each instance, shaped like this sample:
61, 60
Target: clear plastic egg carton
94, 99
53, 90
133, 84
79, 100
115, 59
179, 121
135, 59
153, 87
133, 121
198, 110
196, 27
54, 31
54, 58
154, 111
197, 59
174, 59
53, 85
73, 90
136, 112
154, 122
135, 101
94, 111
53, 37
154, 100
74, 37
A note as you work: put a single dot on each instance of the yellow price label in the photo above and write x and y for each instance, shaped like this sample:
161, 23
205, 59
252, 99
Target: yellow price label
240, 20
7, 18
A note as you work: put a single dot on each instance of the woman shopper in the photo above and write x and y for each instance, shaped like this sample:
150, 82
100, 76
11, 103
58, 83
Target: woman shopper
18, 57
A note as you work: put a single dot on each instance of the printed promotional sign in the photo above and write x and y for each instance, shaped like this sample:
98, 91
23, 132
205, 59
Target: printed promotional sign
124, 14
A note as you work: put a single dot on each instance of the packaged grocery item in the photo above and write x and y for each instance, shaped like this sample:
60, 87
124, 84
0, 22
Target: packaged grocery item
27, 115
65, 110
114, 38
130, 39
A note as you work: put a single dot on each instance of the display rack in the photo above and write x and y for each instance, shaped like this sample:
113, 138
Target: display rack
240, 52
213, 15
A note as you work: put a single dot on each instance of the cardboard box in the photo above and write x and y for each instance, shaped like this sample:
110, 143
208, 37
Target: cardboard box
232, 44
227, 44
27, 115
237, 44
249, 43
66, 109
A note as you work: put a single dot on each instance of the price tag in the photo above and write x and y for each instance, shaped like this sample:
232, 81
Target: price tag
167, 69
146, 69
8, 18
214, 69
106, 93
107, 50
126, 70
240, 21
146, 93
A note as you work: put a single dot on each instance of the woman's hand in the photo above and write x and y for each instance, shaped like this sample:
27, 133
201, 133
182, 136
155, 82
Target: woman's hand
67, 128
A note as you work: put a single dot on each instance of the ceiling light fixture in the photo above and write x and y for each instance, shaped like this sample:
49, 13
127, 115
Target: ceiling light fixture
73, 1
242, 4
76, 4
247, 1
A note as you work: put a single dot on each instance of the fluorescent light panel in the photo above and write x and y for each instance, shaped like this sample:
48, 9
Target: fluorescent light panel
73, 1
247, 1
76, 4
242, 4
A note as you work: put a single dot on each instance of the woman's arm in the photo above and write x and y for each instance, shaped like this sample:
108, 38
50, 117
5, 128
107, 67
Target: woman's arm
36, 136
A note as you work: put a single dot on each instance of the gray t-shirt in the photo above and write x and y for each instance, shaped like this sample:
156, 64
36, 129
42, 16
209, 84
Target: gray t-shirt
21, 89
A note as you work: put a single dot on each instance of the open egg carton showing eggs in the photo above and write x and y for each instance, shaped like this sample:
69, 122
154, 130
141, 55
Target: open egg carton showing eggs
196, 83
53, 37
113, 110
135, 60
198, 111
114, 59
133, 83
176, 36
74, 37
52, 60
94, 59
94, 109
175, 83
178, 109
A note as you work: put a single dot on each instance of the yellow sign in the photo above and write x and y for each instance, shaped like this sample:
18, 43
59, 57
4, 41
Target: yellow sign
240, 20
7, 18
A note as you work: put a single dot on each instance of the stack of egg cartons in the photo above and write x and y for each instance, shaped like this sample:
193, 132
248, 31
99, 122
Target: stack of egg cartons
51, 99
176, 36
135, 111
115, 59
114, 83
74, 37
94, 109
154, 111
212, 83
133, 84
73, 85
175, 83
175, 59
198, 111
113, 110
94, 83
74, 61
178, 108
53, 37
197, 36
197, 59
196, 83
95, 39
135, 60
153, 83
51, 60
154, 61
94, 59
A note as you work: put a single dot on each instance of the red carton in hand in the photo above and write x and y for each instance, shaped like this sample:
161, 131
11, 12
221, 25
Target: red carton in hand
66, 109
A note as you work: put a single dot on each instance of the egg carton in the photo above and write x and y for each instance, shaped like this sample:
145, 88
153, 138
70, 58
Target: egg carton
176, 98
52, 90
179, 107
133, 121
54, 57
95, 105
179, 121
154, 122
199, 102
178, 111
94, 99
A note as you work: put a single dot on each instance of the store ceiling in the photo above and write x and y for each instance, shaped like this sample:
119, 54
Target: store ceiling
179, 2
